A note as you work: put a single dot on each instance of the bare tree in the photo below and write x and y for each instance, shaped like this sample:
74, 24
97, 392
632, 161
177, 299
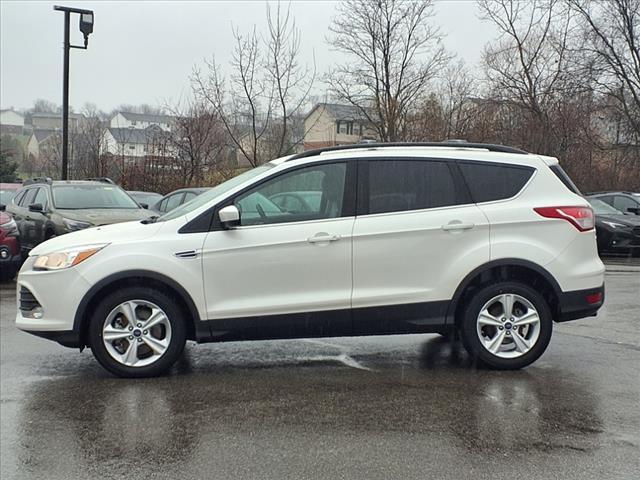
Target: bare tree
200, 142
393, 55
88, 160
609, 54
264, 94
529, 66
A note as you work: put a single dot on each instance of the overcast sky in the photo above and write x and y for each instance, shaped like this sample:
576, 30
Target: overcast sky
144, 51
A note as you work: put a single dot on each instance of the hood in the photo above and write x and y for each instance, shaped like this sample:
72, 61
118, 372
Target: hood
116, 233
106, 216
628, 220
4, 218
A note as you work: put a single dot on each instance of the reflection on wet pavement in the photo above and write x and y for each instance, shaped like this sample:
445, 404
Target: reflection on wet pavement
409, 406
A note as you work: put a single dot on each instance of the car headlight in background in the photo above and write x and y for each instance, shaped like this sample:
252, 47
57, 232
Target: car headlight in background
66, 258
614, 224
10, 227
74, 225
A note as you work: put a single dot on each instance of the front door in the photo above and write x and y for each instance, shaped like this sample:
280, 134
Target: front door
281, 261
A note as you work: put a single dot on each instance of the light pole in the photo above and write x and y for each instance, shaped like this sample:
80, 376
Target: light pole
86, 27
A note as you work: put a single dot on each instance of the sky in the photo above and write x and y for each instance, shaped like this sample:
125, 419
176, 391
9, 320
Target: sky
144, 51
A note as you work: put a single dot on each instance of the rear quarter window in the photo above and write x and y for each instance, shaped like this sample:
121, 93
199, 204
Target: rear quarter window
564, 178
488, 182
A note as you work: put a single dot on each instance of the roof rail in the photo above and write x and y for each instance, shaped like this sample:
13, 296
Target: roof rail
448, 143
31, 181
101, 179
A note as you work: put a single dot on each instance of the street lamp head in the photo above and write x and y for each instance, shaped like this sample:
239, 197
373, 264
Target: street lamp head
86, 23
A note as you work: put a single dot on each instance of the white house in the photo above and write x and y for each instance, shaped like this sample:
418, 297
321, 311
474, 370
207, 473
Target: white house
140, 121
329, 124
135, 143
11, 122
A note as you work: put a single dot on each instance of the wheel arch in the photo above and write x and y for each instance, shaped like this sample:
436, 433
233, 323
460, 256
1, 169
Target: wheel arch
505, 269
145, 278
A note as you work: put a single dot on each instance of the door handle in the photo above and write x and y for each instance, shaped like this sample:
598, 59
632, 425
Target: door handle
323, 238
457, 225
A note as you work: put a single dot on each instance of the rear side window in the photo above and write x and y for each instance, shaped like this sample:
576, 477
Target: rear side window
489, 182
19, 196
564, 178
403, 185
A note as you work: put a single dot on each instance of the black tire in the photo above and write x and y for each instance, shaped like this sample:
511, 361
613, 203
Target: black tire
472, 342
174, 314
7, 273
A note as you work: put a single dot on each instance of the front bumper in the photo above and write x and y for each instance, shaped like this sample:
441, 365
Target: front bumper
579, 304
53, 296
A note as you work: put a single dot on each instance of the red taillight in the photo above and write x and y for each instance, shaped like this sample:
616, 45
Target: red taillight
580, 217
594, 298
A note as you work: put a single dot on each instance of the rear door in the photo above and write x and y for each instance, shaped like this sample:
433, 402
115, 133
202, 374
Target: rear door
416, 236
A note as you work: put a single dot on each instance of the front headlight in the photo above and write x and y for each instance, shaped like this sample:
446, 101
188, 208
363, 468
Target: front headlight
10, 227
614, 224
66, 258
74, 225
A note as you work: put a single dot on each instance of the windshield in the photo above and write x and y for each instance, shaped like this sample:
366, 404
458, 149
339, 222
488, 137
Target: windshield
601, 208
216, 191
77, 197
6, 196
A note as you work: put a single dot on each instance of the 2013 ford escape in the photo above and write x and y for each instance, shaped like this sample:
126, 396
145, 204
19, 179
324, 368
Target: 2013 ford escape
487, 240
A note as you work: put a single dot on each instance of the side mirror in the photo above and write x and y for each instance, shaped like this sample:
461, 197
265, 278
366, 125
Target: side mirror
144, 205
229, 216
635, 210
3, 207
36, 207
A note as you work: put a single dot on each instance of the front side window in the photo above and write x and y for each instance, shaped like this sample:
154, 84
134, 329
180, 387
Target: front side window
622, 203
310, 193
404, 185
494, 181
28, 197
41, 198
173, 201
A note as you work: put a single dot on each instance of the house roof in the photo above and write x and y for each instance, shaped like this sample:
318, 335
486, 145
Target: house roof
54, 115
140, 136
42, 134
146, 117
11, 110
340, 112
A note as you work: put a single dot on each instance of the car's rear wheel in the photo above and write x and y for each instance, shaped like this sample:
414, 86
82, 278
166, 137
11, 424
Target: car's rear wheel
137, 332
506, 326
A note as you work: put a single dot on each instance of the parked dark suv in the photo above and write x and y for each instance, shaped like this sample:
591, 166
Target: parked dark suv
46, 208
626, 202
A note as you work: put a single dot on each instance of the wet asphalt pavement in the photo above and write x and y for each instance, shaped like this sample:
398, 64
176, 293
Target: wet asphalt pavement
400, 407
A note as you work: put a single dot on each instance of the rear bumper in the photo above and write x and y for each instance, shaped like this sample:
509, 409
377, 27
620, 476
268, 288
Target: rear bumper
579, 304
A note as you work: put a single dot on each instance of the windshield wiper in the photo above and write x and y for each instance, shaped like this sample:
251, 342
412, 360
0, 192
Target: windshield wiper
149, 220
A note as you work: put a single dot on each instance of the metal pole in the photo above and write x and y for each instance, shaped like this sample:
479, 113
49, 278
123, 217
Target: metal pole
65, 99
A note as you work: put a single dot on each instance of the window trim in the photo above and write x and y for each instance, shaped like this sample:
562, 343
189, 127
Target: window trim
348, 201
364, 185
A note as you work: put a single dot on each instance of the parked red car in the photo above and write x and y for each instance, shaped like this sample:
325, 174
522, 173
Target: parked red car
10, 257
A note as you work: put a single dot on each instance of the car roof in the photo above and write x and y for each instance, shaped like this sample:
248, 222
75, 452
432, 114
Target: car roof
597, 194
457, 152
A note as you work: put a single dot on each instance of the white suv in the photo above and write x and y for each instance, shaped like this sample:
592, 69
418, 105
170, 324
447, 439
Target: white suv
484, 240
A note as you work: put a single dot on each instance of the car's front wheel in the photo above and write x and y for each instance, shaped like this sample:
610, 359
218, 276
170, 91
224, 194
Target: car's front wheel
137, 332
506, 326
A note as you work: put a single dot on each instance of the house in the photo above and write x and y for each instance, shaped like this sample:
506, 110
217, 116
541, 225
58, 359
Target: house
140, 121
34, 144
133, 143
330, 124
53, 121
11, 122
